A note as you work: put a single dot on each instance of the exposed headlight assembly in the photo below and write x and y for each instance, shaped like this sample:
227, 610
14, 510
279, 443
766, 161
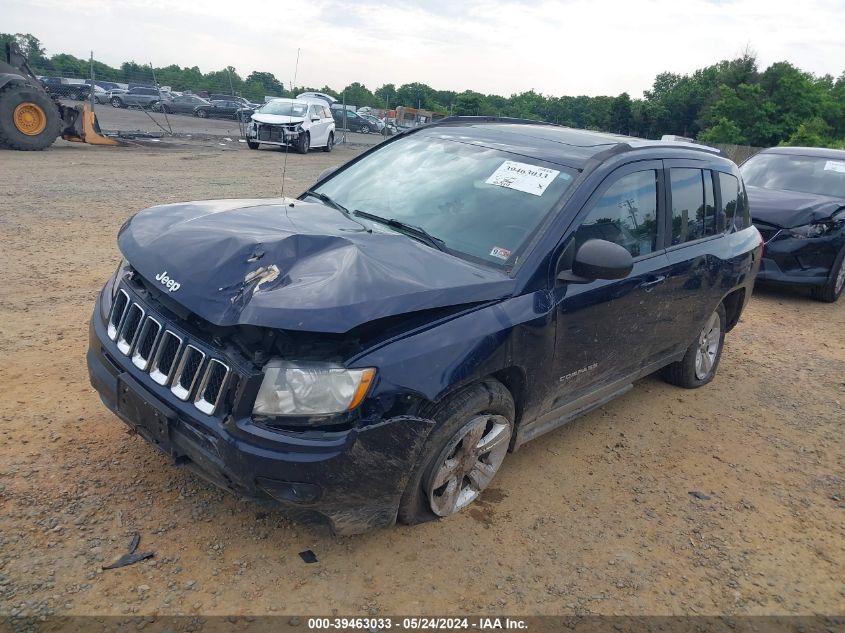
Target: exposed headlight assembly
310, 389
809, 231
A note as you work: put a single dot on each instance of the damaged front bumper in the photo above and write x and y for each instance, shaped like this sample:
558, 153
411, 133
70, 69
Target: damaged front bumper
352, 479
273, 134
789, 260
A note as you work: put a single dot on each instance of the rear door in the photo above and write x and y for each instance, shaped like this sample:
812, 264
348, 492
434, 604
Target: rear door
608, 330
696, 225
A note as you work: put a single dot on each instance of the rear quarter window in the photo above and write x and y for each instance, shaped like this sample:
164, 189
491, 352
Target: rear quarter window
734, 202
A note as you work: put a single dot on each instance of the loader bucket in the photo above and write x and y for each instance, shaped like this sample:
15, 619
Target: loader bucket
81, 127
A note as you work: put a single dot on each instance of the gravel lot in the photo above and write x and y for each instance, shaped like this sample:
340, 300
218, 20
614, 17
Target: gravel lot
596, 517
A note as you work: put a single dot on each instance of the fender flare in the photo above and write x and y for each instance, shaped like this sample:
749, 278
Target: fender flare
11, 78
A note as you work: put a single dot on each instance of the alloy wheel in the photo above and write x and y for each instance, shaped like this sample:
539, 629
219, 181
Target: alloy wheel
708, 347
473, 457
840, 278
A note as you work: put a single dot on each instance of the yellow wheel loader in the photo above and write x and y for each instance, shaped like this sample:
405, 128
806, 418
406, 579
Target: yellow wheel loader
30, 119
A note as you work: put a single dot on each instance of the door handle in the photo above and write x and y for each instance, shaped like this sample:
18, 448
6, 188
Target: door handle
648, 286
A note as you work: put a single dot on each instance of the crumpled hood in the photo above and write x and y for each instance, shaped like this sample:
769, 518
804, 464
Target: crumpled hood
276, 119
788, 209
294, 265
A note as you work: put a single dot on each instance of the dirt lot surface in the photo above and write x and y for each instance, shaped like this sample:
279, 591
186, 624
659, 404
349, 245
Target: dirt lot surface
596, 517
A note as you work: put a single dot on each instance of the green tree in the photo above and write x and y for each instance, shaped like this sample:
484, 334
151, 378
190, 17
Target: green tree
386, 96
621, 114
359, 95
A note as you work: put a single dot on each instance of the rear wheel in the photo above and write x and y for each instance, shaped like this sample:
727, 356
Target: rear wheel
116, 102
252, 145
462, 454
835, 285
303, 144
699, 364
29, 120
329, 143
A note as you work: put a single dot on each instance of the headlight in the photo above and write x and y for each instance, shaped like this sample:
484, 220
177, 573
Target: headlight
310, 389
811, 230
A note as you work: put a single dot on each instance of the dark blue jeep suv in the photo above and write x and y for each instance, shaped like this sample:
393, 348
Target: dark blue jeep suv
373, 349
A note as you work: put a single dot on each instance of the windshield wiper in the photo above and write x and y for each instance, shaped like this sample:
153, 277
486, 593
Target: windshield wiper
408, 229
327, 200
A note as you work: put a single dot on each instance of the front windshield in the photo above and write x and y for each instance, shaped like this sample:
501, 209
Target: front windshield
284, 108
807, 174
482, 203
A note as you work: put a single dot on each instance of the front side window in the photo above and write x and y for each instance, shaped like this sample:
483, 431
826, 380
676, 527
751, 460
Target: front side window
626, 214
483, 203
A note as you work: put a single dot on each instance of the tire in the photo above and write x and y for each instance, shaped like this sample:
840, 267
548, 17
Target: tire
329, 143
29, 119
202, 114
699, 364
252, 145
365, 129
116, 102
73, 95
835, 286
457, 419
155, 106
303, 143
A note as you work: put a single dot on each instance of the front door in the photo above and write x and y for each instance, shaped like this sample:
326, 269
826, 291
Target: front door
607, 330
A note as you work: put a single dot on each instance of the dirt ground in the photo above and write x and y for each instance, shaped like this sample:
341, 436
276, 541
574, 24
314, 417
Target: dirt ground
596, 517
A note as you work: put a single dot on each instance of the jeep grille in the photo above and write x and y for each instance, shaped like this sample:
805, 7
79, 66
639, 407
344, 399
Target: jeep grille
189, 372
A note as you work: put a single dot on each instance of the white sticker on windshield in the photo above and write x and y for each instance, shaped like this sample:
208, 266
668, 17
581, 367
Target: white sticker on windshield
835, 165
501, 253
523, 177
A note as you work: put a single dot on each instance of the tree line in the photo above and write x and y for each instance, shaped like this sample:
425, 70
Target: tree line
732, 102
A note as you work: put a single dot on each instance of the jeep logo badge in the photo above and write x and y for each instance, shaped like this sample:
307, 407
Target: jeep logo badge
171, 284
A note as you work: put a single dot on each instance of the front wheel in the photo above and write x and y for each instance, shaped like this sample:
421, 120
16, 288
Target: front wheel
365, 129
303, 144
832, 290
252, 145
202, 114
699, 364
462, 454
329, 143
116, 103
29, 120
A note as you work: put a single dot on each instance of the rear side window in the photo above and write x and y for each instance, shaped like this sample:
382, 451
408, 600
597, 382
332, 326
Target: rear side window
693, 205
625, 214
734, 202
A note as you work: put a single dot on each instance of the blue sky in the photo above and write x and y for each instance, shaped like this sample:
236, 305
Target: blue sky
565, 47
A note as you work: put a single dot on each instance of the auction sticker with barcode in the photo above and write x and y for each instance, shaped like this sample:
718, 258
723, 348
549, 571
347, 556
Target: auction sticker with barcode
523, 177
835, 165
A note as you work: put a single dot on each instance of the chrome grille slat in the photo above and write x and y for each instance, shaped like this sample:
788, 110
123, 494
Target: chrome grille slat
187, 372
118, 311
164, 361
170, 359
146, 344
129, 328
212, 386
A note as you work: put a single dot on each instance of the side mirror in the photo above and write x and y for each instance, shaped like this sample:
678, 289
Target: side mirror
598, 259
